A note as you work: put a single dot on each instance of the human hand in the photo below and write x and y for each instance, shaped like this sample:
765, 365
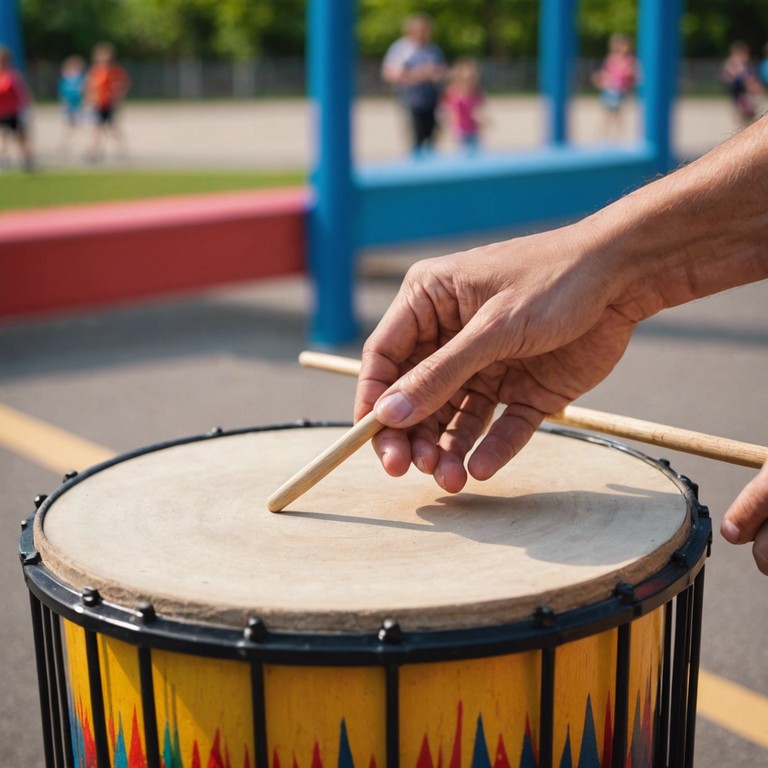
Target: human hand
530, 324
747, 519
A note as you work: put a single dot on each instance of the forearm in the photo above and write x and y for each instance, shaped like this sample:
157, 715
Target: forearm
695, 232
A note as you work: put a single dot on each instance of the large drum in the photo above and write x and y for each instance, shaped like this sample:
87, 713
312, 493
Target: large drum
547, 617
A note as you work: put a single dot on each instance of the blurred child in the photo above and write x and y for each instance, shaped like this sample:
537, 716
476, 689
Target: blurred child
106, 86
72, 94
14, 98
463, 100
740, 78
616, 79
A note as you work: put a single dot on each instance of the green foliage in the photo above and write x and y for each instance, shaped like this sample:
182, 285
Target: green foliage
53, 29
599, 19
709, 26
240, 29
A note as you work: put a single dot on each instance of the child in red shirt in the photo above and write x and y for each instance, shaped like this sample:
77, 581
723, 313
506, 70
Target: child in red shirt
462, 101
14, 99
106, 85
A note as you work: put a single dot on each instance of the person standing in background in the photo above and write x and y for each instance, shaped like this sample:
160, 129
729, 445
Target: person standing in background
14, 100
71, 95
616, 78
463, 100
740, 78
414, 65
106, 86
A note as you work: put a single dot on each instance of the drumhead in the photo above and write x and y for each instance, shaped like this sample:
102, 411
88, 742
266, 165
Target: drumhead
186, 528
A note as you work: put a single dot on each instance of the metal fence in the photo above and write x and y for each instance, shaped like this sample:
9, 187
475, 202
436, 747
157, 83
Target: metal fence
195, 79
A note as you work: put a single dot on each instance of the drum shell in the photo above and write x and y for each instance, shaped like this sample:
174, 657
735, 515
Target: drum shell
605, 683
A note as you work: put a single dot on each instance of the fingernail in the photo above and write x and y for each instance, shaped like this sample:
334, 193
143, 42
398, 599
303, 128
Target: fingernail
393, 408
730, 532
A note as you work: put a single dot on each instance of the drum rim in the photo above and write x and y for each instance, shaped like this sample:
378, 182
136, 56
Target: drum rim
256, 642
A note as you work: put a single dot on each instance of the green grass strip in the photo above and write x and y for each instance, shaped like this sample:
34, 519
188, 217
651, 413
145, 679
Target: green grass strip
50, 188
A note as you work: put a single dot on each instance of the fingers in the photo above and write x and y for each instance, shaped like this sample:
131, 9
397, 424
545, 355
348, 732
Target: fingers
431, 383
746, 519
506, 438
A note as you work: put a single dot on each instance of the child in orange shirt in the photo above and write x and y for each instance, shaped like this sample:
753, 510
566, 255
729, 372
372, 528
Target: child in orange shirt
106, 85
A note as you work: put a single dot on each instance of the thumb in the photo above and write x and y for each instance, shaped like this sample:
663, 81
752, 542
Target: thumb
430, 384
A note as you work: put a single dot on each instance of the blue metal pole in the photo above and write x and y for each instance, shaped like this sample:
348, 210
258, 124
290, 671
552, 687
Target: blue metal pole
331, 63
10, 31
659, 53
557, 51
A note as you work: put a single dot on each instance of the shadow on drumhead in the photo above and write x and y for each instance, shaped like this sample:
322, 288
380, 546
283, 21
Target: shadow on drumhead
575, 527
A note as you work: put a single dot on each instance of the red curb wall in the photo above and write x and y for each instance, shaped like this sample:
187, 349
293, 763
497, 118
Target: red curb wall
94, 255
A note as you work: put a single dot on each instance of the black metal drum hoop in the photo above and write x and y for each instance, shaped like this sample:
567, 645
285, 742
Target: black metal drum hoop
256, 642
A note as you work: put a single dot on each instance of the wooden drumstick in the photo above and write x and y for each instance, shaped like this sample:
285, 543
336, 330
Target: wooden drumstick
332, 363
674, 438
325, 463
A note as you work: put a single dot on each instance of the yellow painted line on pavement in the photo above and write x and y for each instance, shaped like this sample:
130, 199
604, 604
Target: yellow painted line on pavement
725, 703
733, 707
47, 445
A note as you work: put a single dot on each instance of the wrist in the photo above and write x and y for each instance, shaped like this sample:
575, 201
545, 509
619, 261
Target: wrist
695, 232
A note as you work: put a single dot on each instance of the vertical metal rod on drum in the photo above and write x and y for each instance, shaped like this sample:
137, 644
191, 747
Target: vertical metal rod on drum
393, 715
42, 679
661, 751
61, 684
547, 708
621, 705
259, 706
679, 708
97, 698
148, 706
53, 695
693, 679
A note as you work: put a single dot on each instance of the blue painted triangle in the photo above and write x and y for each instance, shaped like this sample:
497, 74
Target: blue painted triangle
480, 756
527, 756
566, 761
588, 754
345, 752
121, 753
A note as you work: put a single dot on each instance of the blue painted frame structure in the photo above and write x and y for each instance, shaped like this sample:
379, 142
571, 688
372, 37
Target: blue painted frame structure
409, 200
10, 31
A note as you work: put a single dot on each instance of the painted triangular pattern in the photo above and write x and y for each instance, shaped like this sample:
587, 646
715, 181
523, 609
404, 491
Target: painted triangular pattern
480, 756
566, 761
501, 760
456, 751
588, 755
607, 737
136, 756
345, 752
121, 753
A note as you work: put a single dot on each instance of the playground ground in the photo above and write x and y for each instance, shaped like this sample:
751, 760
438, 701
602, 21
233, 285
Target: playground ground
136, 375
273, 134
